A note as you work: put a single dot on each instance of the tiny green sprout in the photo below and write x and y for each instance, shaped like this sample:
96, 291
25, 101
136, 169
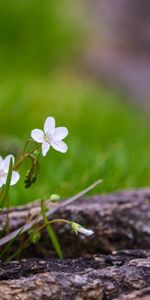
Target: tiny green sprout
35, 236
55, 197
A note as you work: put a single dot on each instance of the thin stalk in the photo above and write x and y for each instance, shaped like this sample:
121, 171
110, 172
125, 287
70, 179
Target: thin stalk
51, 232
26, 145
7, 213
25, 156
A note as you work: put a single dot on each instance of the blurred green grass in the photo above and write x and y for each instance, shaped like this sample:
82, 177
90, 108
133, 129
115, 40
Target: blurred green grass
108, 138
36, 35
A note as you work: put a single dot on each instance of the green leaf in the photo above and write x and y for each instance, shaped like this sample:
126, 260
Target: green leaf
51, 234
7, 185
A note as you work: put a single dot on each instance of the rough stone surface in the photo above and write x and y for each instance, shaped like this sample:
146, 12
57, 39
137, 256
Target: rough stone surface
92, 277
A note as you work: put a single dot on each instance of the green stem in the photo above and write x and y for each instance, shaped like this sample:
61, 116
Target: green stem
60, 220
51, 232
26, 145
25, 156
7, 213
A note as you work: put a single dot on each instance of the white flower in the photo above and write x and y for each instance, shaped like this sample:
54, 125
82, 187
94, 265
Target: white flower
4, 169
77, 228
51, 136
85, 231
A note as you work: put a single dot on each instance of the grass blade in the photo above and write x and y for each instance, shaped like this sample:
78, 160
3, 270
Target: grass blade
51, 233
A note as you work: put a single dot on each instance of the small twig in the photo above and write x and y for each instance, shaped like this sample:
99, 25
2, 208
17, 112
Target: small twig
27, 227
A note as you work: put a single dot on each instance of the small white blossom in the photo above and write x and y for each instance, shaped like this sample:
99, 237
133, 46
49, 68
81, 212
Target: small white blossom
50, 136
4, 169
85, 231
77, 228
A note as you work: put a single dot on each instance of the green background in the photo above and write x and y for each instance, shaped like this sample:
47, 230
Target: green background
41, 43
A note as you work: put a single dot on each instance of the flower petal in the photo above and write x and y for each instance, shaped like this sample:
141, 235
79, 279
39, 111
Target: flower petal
1, 160
49, 125
45, 148
85, 231
59, 146
15, 177
1, 182
37, 135
60, 133
6, 162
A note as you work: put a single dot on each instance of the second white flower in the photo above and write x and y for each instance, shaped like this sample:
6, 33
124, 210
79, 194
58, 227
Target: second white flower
4, 169
50, 136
